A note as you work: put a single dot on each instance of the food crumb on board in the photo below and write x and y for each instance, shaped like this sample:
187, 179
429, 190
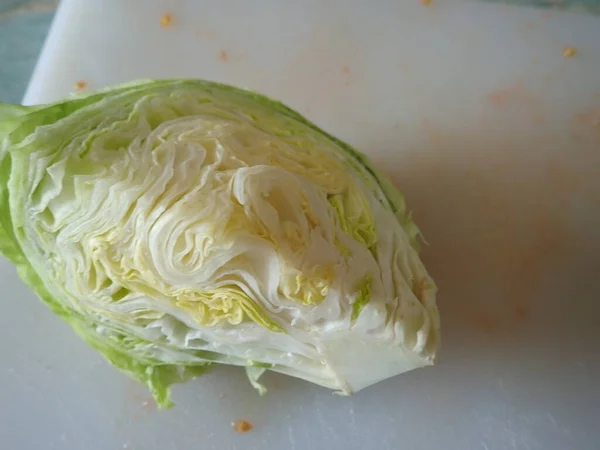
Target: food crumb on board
166, 19
521, 313
590, 118
242, 426
224, 56
425, 2
569, 52
484, 322
80, 85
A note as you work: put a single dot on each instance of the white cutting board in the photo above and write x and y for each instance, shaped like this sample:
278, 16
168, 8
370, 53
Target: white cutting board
489, 131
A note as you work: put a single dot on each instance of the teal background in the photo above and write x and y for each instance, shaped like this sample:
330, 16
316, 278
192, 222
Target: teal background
23, 28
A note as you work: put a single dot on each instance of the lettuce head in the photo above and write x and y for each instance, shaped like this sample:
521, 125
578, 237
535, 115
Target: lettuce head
176, 224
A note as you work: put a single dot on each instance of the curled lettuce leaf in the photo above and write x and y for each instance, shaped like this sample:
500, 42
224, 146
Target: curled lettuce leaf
179, 223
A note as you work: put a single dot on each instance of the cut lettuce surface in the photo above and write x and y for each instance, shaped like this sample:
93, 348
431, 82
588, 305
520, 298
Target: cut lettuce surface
175, 224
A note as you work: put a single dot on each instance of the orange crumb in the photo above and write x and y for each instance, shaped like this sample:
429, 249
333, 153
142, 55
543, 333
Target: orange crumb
166, 20
224, 56
500, 97
80, 85
484, 323
514, 95
590, 118
521, 313
425, 2
569, 51
242, 426
346, 69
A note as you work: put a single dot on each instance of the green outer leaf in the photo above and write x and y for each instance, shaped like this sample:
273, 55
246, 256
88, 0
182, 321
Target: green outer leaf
9, 245
10, 118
